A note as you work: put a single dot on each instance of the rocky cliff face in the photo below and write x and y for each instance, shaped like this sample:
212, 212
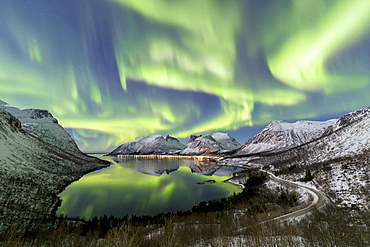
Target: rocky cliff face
153, 144
213, 144
34, 171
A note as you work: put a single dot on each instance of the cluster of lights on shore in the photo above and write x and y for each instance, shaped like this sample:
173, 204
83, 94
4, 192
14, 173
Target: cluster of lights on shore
157, 156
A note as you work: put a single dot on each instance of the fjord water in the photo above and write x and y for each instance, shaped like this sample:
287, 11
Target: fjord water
145, 187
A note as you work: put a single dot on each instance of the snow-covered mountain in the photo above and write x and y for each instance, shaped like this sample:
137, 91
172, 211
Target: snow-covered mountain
33, 171
197, 145
215, 143
152, 144
226, 141
42, 124
336, 162
282, 135
348, 137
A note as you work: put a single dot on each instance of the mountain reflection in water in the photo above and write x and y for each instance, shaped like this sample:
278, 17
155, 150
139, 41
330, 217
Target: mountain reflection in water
145, 187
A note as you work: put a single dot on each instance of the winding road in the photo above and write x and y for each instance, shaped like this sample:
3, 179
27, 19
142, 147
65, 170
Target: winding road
319, 201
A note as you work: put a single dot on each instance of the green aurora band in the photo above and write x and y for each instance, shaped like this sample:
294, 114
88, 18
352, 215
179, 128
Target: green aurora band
111, 71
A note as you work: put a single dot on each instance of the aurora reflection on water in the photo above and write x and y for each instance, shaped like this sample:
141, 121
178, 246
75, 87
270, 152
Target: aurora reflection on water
142, 187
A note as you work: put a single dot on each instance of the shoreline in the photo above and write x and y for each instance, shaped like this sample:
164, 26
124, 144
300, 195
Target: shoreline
157, 157
58, 202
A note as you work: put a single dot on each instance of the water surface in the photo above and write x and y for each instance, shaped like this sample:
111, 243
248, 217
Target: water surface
145, 187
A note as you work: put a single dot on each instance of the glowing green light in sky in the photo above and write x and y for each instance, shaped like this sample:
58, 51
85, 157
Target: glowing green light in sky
112, 71
301, 60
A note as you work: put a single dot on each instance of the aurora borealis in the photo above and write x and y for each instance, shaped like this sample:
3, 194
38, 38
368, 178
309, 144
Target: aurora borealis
114, 70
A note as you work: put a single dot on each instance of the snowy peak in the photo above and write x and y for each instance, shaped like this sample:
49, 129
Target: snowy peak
192, 138
152, 144
226, 141
170, 138
212, 144
203, 145
302, 125
282, 135
29, 115
42, 124
197, 145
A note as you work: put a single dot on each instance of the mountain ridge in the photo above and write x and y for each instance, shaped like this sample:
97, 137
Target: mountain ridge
42, 124
281, 135
152, 144
197, 145
336, 162
33, 173
213, 144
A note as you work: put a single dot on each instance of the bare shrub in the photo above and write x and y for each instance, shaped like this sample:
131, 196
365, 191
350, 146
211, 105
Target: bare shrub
124, 235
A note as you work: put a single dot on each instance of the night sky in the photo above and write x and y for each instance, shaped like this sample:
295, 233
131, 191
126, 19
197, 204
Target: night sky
114, 70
